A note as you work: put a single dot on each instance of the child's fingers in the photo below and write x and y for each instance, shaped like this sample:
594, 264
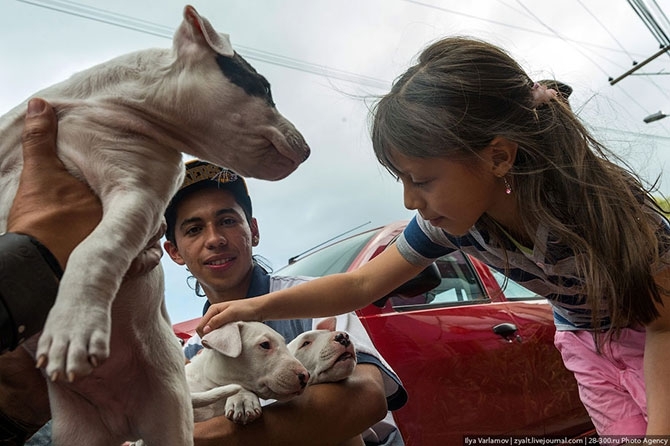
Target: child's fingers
217, 315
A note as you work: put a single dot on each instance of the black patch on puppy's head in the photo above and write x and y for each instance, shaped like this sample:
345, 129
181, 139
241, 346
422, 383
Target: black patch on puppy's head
242, 74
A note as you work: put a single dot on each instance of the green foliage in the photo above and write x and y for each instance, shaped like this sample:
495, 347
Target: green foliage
664, 203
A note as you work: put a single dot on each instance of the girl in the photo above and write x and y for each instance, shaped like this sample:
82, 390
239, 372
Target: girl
499, 167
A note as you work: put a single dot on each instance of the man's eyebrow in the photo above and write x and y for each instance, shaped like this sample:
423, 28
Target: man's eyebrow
220, 212
189, 221
227, 211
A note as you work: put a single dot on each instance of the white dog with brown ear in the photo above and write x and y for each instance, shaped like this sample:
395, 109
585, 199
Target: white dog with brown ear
123, 126
328, 354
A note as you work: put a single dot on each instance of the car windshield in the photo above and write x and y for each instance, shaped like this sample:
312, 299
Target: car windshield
330, 260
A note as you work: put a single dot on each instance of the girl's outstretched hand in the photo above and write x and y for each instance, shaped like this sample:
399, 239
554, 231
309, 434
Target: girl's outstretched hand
236, 310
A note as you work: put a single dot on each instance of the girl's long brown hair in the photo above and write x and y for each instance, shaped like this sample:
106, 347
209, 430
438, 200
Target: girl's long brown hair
464, 92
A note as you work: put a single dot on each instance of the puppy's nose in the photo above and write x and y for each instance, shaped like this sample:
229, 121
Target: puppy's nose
303, 378
342, 338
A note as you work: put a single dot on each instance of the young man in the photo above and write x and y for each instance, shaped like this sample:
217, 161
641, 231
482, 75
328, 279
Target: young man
211, 230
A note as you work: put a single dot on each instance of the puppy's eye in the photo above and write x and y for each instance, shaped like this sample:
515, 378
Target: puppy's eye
305, 344
265, 345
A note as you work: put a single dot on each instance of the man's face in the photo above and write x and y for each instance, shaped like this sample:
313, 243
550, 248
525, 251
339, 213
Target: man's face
214, 241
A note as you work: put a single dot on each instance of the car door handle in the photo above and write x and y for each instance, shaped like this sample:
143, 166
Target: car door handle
508, 332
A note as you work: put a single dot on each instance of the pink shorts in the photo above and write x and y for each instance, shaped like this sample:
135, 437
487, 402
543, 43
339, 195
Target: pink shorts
611, 384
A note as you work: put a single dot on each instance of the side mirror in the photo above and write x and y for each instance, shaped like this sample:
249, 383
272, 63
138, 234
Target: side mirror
423, 282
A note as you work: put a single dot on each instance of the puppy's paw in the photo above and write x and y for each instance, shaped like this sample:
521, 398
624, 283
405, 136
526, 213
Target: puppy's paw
243, 407
75, 339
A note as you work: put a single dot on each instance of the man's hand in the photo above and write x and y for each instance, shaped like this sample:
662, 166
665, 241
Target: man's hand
50, 205
325, 414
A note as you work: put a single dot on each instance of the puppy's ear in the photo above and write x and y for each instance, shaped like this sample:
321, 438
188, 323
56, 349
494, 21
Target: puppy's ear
226, 340
196, 32
328, 323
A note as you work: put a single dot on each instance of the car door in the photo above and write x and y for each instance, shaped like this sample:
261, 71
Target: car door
553, 389
473, 362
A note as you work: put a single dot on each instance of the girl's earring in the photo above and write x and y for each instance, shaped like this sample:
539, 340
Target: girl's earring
508, 187
254, 240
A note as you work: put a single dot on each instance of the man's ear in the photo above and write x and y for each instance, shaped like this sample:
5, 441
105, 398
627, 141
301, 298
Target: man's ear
255, 233
502, 153
173, 252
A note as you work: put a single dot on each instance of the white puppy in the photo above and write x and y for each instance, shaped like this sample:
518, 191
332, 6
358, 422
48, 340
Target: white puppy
242, 361
328, 355
116, 368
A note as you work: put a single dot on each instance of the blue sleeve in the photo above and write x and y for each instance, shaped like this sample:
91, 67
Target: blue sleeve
398, 398
192, 347
418, 246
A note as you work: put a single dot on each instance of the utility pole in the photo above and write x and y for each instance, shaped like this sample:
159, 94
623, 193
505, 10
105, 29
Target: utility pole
637, 66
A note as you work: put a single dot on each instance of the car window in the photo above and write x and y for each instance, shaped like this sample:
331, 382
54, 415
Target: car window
459, 285
330, 260
512, 290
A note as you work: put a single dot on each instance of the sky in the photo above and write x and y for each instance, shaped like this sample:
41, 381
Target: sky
328, 60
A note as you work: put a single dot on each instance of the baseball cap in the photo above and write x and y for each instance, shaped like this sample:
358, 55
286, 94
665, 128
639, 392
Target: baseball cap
200, 175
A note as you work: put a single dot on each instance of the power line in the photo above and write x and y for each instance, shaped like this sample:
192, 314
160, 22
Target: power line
560, 36
131, 23
513, 26
103, 16
595, 17
660, 12
557, 34
650, 22
143, 26
657, 31
146, 27
602, 25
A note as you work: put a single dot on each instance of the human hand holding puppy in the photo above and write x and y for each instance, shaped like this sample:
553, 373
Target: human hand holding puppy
56, 210
59, 211
50, 204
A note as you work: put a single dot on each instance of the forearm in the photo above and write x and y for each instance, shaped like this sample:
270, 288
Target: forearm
327, 296
326, 414
322, 297
340, 293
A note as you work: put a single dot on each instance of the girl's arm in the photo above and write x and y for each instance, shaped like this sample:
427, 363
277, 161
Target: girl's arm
326, 296
657, 364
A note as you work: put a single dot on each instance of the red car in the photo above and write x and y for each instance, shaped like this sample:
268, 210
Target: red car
476, 360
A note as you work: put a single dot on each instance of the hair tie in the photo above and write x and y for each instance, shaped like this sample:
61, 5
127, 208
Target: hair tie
542, 95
